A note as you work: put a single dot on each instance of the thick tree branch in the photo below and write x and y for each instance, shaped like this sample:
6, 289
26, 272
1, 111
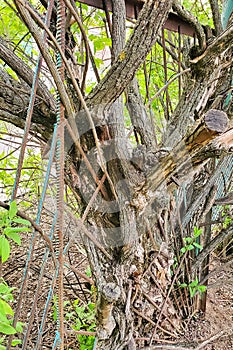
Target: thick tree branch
23, 71
14, 100
117, 127
118, 28
142, 124
216, 16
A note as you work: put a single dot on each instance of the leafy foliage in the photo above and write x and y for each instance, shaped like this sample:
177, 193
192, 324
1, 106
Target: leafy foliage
80, 318
6, 316
10, 227
191, 242
194, 287
11, 26
31, 175
83, 318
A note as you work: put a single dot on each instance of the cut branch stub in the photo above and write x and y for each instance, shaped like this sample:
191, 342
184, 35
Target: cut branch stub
215, 122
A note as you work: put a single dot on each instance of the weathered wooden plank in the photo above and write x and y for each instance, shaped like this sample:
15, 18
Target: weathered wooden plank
174, 22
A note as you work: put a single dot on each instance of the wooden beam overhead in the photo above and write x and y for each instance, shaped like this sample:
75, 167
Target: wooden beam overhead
174, 22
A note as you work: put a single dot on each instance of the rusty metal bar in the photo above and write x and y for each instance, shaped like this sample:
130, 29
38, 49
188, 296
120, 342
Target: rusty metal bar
173, 23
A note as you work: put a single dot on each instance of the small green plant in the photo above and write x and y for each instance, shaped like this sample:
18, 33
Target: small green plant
191, 242
7, 316
84, 318
31, 174
9, 230
80, 318
227, 219
227, 222
10, 227
194, 287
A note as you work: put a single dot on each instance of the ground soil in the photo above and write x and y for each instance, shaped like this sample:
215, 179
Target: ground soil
217, 323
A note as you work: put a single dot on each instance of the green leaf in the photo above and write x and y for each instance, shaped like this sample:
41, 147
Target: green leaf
15, 237
188, 240
183, 285
13, 210
197, 245
98, 45
19, 327
6, 328
3, 317
202, 289
88, 271
8, 230
183, 250
2, 347
22, 221
5, 308
192, 292
197, 232
4, 289
16, 342
4, 220
91, 306
4, 248
190, 247
98, 62
193, 283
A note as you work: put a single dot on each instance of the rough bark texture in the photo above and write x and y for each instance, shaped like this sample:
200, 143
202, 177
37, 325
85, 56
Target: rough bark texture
14, 100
